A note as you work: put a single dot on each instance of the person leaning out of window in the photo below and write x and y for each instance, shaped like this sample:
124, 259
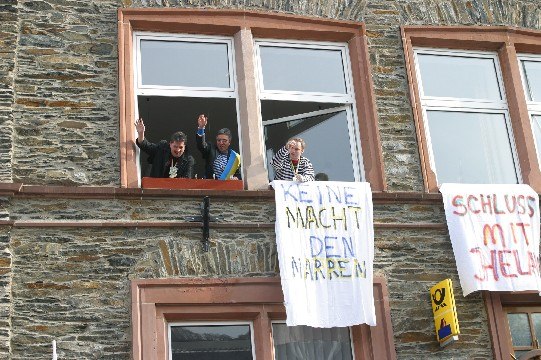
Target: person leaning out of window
289, 164
168, 159
222, 162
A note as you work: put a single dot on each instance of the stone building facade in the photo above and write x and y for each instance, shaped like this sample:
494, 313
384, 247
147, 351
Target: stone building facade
76, 234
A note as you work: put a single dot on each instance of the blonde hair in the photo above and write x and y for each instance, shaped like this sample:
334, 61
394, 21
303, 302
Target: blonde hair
299, 140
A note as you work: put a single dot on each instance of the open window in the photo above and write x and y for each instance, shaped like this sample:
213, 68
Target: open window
257, 74
179, 77
306, 92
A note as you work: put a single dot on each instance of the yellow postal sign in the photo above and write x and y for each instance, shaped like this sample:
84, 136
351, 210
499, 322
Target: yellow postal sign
444, 309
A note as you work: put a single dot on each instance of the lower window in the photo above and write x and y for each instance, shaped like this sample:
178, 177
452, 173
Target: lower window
243, 318
304, 342
524, 328
211, 341
235, 341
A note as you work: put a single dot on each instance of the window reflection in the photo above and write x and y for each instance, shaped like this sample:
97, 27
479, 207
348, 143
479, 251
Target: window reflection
303, 342
520, 329
186, 64
302, 69
532, 72
459, 77
471, 147
211, 342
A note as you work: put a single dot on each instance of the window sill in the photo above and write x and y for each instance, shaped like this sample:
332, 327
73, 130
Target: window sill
190, 184
108, 192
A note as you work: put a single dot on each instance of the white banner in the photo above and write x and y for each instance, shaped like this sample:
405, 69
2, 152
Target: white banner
325, 240
494, 230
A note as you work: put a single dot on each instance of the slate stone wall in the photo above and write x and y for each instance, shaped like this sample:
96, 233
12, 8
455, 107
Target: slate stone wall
72, 284
59, 98
59, 126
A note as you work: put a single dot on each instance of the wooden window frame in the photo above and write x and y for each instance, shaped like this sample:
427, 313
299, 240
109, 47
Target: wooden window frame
259, 300
528, 310
243, 27
497, 320
507, 42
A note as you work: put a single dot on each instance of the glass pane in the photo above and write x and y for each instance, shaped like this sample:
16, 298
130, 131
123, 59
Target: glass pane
536, 319
532, 69
471, 148
520, 329
211, 342
519, 353
191, 64
536, 123
319, 132
275, 109
459, 77
299, 69
303, 342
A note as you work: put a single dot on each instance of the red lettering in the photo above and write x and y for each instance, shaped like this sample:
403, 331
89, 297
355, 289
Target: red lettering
504, 264
470, 206
533, 263
519, 267
485, 204
496, 210
521, 205
510, 209
489, 231
481, 260
458, 203
523, 227
531, 205
485, 267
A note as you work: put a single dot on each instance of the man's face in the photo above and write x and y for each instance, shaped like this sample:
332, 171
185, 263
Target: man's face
223, 142
295, 150
177, 148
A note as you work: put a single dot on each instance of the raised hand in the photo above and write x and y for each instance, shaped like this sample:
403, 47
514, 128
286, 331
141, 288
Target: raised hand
202, 121
140, 127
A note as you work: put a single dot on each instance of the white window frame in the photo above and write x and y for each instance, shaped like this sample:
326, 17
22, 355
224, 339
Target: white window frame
343, 101
347, 98
186, 91
534, 107
466, 105
182, 91
283, 322
208, 323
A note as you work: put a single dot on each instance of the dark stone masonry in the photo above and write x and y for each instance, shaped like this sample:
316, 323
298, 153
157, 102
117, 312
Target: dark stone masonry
59, 128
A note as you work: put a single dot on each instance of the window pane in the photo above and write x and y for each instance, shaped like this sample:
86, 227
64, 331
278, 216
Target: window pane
212, 342
520, 329
459, 77
536, 319
191, 64
303, 342
327, 143
471, 147
536, 123
300, 69
532, 70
